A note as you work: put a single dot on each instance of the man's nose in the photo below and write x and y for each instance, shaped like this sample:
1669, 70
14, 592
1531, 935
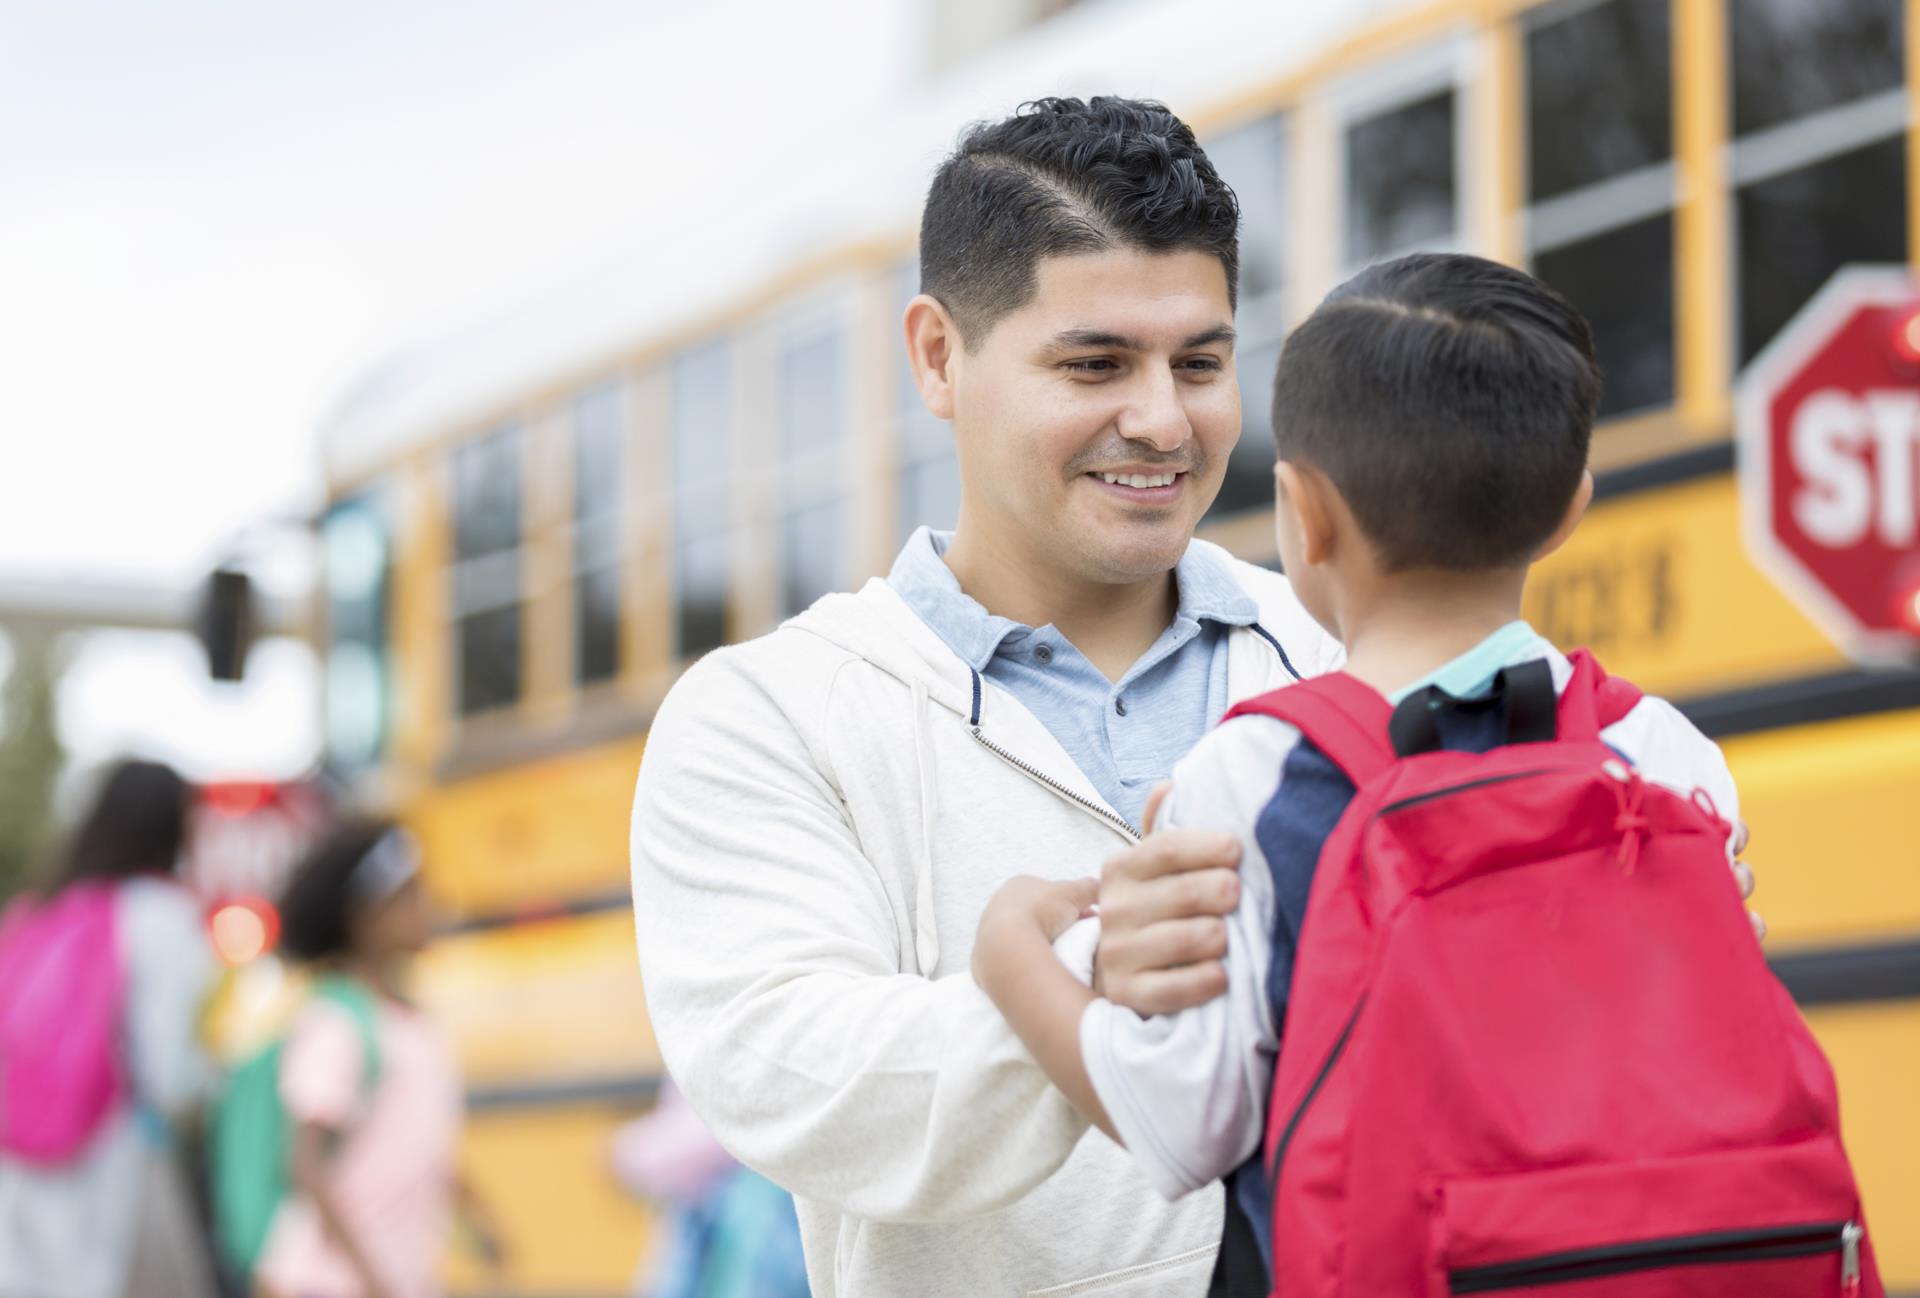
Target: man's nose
1155, 415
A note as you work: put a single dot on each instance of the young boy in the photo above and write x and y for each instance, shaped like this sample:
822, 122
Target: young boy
1433, 418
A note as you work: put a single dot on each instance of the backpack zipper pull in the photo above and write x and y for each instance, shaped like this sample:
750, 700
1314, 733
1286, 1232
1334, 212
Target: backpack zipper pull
1630, 793
1850, 1235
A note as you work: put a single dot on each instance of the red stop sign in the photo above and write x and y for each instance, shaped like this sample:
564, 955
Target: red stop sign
1829, 430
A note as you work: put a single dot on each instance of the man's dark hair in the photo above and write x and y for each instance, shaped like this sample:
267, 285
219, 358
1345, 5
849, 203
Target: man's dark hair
1451, 401
317, 909
1059, 177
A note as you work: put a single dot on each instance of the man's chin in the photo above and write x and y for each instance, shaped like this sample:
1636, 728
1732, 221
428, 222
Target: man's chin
1135, 553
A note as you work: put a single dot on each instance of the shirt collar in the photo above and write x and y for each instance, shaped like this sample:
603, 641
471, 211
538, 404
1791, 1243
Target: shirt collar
1209, 592
1471, 674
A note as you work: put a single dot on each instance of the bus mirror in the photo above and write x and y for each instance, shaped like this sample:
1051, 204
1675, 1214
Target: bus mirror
225, 623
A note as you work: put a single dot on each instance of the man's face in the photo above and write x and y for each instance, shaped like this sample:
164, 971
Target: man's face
1094, 423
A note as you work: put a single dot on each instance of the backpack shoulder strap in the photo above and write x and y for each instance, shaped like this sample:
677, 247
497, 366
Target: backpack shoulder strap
1593, 700
350, 995
1340, 716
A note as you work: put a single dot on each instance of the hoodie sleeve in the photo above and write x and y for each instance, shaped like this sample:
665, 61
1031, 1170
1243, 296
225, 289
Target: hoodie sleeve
772, 959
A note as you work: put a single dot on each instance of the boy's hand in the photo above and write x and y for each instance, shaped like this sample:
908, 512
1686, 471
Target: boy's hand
1024, 913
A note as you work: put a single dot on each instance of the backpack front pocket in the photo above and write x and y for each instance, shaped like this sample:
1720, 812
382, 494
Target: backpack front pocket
1755, 1223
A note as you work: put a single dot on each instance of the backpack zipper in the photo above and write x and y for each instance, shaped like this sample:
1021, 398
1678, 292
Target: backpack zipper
1716, 1247
1319, 1080
1432, 794
1032, 772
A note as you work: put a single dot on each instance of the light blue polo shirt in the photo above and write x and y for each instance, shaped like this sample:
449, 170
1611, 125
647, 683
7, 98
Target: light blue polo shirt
1124, 735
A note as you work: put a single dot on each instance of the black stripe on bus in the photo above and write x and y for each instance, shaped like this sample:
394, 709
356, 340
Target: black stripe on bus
486, 921
1850, 975
1804, 701
631, 1090
1667, 471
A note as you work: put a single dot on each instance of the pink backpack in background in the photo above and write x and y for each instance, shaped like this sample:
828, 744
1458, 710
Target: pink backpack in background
62, 983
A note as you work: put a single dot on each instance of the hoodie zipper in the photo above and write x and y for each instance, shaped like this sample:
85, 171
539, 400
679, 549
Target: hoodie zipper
1722, 1247
1033, 772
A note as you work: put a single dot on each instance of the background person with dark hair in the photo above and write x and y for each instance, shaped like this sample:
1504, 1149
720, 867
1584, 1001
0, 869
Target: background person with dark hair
823, 812
69, 1219
375, 1133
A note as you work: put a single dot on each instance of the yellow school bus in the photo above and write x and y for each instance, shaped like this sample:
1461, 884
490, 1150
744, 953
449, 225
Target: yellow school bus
525, 541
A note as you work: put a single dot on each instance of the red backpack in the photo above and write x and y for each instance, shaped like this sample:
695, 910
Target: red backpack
1531, 1039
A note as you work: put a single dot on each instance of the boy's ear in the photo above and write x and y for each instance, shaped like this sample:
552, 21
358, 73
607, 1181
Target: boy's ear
1305, 493
933, 341
1576, 510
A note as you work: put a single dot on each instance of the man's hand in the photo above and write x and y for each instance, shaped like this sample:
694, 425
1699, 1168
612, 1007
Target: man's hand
1161, 931
1743, 874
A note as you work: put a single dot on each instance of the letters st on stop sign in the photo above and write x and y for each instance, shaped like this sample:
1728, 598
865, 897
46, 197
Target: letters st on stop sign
1829, 441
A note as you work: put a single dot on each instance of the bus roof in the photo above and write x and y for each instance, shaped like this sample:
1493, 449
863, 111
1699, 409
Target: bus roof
1198, 56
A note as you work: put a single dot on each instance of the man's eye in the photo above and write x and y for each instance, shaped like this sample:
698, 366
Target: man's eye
1202, 364
1096, 365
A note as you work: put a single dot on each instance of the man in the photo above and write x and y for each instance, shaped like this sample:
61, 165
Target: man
823, 812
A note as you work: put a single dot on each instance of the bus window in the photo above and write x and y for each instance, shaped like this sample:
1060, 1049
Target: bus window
1792, 59
356, 543
702, 417
486, 571
1253, 160
1400, 182
810, 411
1819, 154
596, 534
1600, 185
929, 470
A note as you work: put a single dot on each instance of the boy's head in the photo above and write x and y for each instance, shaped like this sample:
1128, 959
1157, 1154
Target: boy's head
1077, 268
1448, 401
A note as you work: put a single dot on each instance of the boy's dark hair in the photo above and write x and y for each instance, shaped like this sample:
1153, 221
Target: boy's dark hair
137, 824
1450, 399
1061, 176
316, 911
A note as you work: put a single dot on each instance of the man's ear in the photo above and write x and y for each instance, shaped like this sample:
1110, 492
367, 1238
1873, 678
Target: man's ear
1306, 497
933, 344
1576, 510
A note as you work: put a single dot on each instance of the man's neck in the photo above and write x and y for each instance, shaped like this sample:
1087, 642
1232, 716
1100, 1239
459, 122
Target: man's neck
1111, 623
1416, 623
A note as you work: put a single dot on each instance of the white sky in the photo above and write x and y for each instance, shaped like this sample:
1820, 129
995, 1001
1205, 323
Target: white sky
215, 214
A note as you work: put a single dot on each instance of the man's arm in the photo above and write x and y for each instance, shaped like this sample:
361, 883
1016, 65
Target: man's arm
772, 953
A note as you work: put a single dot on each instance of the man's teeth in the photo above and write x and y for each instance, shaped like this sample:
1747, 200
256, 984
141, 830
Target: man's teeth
1139, 479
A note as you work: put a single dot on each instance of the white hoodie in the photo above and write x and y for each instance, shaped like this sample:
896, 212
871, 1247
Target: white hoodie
822, 815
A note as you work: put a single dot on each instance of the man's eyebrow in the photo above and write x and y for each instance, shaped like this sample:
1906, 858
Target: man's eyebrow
1069, 339
1072, 338
1220, 333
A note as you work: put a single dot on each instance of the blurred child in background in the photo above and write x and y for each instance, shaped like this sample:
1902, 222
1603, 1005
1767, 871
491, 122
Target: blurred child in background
370, 1087
102, 974
725, 1231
